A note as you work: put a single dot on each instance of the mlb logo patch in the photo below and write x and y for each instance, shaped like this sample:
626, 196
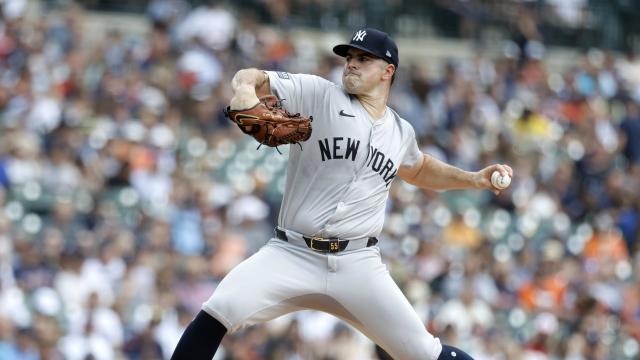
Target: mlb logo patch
283, 75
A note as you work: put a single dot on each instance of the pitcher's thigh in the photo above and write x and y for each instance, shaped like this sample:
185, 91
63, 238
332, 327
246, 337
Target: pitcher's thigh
257, 289
378, 308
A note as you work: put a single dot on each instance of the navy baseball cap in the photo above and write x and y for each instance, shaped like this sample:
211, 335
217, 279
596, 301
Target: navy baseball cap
373, 41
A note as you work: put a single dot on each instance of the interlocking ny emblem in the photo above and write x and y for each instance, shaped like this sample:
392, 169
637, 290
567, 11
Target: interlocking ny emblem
360, 35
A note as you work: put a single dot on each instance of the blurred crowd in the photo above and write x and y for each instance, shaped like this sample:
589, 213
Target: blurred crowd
126, 196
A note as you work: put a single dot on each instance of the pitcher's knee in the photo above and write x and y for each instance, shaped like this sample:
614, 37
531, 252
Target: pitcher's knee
222, 308
423, 348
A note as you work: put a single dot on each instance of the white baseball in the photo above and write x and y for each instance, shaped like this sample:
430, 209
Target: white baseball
499, 181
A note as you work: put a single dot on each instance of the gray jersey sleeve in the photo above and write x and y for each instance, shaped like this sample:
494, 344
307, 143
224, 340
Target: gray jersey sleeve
302, 93
413, 154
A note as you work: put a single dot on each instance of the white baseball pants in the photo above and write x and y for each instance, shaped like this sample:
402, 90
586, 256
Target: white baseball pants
353, 285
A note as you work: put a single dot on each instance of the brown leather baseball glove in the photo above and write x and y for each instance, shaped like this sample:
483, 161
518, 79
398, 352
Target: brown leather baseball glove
270, 124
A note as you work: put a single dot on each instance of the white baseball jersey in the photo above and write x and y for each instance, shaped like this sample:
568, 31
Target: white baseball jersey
337, 184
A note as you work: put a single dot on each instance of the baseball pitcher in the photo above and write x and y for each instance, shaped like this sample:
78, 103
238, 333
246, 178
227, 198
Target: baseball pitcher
323, 253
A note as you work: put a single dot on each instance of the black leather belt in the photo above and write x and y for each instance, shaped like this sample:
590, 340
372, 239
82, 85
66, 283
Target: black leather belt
330, 245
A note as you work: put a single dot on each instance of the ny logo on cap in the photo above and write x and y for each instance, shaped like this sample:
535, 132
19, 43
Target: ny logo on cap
359, 35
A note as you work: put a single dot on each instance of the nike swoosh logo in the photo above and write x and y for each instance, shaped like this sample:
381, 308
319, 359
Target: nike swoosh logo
342, 113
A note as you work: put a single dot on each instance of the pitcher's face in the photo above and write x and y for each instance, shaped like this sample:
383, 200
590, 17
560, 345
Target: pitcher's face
363, 71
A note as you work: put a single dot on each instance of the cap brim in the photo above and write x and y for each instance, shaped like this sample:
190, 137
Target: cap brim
343, 48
